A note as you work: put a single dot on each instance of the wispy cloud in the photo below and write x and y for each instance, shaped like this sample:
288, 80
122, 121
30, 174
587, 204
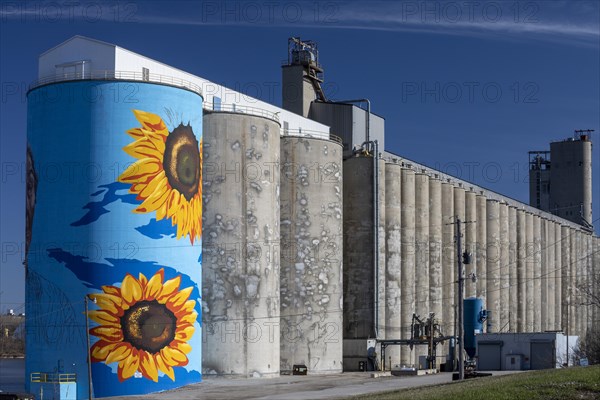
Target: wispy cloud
573, 23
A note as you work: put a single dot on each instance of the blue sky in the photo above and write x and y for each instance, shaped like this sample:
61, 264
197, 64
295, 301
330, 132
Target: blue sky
465, 87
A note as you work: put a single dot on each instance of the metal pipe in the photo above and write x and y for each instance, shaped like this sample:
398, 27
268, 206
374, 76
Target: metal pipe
375, 149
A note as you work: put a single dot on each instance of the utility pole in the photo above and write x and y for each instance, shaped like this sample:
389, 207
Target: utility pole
461, 338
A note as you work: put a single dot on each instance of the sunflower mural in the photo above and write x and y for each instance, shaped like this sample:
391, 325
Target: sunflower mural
144, 325
167, 177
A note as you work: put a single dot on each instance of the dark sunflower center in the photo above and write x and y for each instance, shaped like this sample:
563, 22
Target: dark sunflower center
149, 325
181, 161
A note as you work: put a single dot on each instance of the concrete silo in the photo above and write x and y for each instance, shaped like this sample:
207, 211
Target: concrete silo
241, 245
529, 267
565, 272
493, 265
393, 195
513, 288
558, 293
364, 261
436, 224
481, 246
521, 270
421, 252
536, 274
448, 260
114, 230
311, 254
504, 270
470, 241
407, 249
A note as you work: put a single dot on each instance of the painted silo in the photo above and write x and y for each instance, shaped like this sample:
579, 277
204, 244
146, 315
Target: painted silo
114, 217
311, 256
241, 244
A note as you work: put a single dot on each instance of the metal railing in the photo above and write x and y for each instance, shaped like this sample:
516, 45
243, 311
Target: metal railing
43, 377
236, 108
311, 134
118, 76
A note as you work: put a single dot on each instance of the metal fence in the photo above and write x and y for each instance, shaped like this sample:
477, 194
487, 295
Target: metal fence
118, 76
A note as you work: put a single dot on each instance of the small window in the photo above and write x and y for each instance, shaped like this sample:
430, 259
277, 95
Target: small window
145, 74
286, 128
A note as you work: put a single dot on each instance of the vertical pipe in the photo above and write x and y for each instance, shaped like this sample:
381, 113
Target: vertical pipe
421, 251
435, 248
493, 264
504, 266
549, 277
529, 273
448, 262
543, 279
471, 241
537, 265
393, 194
481, 247
513, 293
407, 251
565, 257
558, 294
521, 270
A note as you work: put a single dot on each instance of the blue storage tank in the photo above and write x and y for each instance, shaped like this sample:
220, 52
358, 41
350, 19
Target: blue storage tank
474, 315
114, 212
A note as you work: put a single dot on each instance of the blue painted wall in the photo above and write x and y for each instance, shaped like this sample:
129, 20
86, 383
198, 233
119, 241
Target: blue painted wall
114, 214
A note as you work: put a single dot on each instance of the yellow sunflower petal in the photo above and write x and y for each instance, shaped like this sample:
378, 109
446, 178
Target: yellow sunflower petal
184, 347
185, 333
173, 357
159, 181
131, 289
154, 201
173, 203
128, 366
136, 133
101, 349
169, 287
142, 280
107, 333
141, 170
154, 285
180, 298
167, 369
148, 366
115, 291
189, 317
150, 121
109, 302
104, 318
119, 353
144, 148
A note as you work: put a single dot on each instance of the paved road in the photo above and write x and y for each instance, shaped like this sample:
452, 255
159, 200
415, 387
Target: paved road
295, 387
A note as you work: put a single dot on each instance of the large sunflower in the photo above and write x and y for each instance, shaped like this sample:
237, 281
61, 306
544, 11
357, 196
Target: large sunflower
144, 326
167, 176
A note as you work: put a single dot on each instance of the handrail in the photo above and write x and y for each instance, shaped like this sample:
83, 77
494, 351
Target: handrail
312, 134
116, 76
236, 108
43, 377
